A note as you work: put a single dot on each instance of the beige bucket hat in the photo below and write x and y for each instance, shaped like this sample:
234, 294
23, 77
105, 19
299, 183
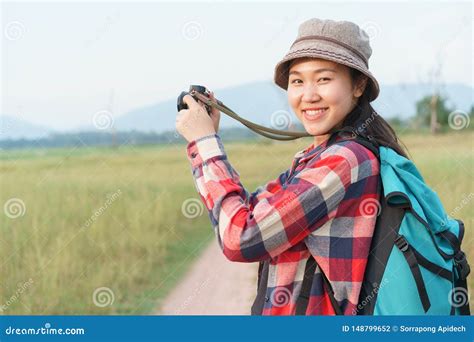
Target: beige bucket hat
339, 41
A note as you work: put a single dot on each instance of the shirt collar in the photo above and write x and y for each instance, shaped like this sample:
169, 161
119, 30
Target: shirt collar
309, 151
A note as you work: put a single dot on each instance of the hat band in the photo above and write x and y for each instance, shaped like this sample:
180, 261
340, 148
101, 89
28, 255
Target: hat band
335, 41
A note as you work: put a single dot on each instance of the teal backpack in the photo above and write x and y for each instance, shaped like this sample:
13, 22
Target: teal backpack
415, 266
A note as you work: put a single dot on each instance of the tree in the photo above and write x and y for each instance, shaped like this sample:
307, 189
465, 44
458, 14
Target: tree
424, 110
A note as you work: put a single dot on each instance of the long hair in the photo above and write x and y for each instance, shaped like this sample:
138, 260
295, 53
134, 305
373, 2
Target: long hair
364, 119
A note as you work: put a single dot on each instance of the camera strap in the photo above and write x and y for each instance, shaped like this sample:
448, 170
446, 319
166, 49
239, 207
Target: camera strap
271, 133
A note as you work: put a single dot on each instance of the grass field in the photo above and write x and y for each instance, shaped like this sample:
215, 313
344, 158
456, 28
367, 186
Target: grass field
110, 231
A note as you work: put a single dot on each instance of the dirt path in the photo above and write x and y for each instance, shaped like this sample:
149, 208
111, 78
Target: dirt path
213, 286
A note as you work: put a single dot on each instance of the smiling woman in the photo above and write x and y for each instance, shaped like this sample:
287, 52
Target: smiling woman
321, 94
286, 223
311, 228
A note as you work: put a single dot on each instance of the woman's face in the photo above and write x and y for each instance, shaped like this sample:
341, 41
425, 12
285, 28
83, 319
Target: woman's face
321, 94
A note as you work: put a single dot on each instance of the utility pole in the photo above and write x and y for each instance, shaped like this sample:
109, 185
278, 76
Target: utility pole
434, 113
111, 111
434, 124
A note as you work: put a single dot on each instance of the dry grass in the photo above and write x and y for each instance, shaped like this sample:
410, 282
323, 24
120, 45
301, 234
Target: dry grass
140, 243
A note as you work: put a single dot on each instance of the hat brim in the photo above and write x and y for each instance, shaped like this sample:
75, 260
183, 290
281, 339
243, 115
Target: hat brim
282, 68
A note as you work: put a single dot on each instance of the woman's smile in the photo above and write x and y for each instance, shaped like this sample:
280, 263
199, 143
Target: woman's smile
314, 114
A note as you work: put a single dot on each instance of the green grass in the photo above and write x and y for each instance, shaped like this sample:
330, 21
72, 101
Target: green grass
141, 244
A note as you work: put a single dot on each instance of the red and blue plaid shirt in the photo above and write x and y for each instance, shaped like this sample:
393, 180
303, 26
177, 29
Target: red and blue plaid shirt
325, 205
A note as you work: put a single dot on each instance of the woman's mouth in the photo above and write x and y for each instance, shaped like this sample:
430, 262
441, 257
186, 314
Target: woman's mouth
314, 114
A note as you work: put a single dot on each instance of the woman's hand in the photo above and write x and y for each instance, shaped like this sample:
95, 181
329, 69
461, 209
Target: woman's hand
194, 122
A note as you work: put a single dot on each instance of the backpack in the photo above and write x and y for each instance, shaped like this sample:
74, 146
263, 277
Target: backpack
415, 264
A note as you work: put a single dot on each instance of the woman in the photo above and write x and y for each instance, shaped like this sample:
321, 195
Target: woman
319, 209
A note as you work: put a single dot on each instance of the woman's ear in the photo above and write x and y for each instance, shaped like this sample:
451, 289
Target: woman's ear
360, 86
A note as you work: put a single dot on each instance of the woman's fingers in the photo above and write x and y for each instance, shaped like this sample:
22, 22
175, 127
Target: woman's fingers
215, 111
190, 101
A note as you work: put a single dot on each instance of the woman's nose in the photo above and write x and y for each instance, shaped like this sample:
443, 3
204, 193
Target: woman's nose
310, 94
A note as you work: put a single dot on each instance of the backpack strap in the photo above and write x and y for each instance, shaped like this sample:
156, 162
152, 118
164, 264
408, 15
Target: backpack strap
332, 298
432, 267
461, 286
259, 302
303, 298
461, 266
407, 251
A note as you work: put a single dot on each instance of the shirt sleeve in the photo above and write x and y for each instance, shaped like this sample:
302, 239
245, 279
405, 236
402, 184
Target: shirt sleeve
259, 226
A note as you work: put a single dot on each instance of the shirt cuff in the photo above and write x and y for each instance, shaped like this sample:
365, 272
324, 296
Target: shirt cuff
205, 148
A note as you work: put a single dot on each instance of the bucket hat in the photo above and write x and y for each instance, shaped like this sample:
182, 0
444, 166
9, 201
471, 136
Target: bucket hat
339, 41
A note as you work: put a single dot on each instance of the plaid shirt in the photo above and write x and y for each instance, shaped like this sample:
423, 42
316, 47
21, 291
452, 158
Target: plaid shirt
325, 205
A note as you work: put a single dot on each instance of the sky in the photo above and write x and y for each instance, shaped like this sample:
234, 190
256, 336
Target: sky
62, 62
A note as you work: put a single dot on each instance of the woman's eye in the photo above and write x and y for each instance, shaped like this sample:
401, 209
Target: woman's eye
324, 79
295, 80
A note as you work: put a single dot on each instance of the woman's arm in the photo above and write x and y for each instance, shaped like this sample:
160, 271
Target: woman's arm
253, 228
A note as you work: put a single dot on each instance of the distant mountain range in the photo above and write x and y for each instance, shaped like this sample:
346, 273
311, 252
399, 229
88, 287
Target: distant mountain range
16, 128
259, 102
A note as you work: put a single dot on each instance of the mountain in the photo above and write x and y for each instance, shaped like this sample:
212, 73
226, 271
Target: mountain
254, 101
264, 103
15, 128
261, 102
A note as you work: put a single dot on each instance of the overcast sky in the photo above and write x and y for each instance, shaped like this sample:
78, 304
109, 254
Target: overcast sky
61, 61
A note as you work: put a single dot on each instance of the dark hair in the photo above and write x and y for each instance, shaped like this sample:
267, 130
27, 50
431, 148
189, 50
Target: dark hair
365, 120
